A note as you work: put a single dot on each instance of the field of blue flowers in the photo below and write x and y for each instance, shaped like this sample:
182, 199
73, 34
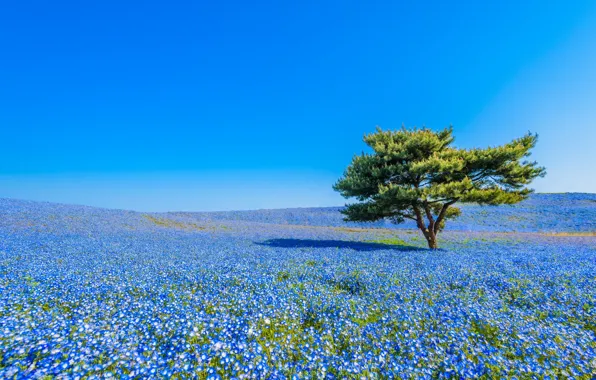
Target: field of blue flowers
95, 293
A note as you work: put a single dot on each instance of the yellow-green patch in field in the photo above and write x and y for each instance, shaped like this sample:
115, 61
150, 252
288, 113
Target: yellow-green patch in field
564, 234
170, 223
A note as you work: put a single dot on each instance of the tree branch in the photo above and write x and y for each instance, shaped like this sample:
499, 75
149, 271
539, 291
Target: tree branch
479, 175
405, 216
429, 216
442, 214
408, 217
419, 220
438, 200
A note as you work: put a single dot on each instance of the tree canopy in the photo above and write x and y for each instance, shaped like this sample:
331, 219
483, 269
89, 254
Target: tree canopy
419, 174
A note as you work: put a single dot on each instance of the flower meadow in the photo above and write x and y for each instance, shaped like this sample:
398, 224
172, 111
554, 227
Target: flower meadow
94, 293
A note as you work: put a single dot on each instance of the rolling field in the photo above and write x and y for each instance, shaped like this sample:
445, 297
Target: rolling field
94, 293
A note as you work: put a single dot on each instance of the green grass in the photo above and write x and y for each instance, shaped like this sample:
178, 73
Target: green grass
388, 241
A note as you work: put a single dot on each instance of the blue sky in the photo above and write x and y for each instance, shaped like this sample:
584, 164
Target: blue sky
236, 105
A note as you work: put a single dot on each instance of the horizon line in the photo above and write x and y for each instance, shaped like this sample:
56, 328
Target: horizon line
244, 210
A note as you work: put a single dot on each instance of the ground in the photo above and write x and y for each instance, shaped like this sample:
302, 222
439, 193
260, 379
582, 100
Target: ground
282, 293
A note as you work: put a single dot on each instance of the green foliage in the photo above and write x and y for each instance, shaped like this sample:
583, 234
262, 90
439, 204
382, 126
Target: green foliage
389, 241
350, 283
418, 174
484, 329
312, 319
283, 276
311, 263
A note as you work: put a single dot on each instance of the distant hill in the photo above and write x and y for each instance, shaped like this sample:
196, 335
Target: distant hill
570, 212
541, 212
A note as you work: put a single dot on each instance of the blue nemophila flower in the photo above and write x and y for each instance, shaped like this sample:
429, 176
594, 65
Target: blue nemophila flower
89, 293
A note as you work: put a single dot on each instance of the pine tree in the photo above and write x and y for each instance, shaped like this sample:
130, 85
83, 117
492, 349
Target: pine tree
418, 174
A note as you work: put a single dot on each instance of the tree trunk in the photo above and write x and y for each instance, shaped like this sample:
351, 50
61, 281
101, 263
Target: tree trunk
431, 238
429, 233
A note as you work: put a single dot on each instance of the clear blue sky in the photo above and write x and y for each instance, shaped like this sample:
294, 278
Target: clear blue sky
206, 105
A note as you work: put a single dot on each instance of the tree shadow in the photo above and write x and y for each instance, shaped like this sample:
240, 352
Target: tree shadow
355, 245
